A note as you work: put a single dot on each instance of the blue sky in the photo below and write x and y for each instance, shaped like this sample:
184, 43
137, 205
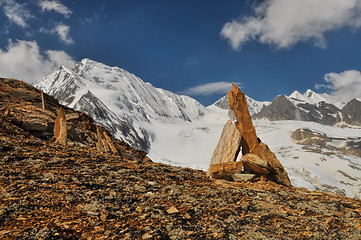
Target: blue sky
192, 47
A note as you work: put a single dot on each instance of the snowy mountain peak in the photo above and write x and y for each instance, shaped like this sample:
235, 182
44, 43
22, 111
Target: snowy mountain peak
309, 93
119, 97
309, 97
254, 106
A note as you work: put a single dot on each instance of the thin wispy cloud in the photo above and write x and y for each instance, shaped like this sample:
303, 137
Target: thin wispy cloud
16, 12
345, 85
209, 89
24, 60
284, 23
64, 33
56, 6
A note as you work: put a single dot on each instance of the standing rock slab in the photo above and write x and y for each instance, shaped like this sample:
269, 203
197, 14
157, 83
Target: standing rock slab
228, 146
238, 103
279, 173
60, 131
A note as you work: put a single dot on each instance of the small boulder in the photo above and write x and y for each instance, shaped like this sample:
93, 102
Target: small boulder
225, 170
255, 164
243, 177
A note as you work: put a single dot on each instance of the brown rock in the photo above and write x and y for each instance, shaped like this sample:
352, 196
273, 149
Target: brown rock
172, 210
34, 125
228, 146
279, 173
238, 103
109, 142
243, 177
255, 164
102, 145
225, 170
60, 130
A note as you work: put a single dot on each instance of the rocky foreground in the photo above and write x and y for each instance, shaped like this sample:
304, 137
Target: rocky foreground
51, 191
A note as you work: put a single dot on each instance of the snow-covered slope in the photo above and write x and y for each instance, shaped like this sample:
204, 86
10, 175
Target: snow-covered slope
180, 131
115, 97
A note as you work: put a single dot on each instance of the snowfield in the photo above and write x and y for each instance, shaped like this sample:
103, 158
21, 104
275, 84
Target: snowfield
191, 145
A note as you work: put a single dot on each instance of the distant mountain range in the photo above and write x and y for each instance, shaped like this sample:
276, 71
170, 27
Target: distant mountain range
178, 130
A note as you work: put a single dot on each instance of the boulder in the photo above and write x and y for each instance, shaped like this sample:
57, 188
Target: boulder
225, 170
228, 146
34, 125
243, 177
278, 173
254, 164
238, 103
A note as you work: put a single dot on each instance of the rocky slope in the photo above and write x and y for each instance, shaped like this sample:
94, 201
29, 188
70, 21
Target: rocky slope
49, 191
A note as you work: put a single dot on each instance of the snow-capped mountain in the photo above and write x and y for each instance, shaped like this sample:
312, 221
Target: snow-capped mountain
312, 107
119, 100
180, 131
254, 106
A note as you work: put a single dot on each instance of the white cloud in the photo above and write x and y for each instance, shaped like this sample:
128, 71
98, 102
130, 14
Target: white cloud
15, 12
23, 60
284, 23
63, 32
346, 85
47, 5
209, 89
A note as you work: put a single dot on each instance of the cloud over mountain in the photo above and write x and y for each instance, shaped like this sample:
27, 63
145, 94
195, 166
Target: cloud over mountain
24, 60
345, 85
284, 23
209, 89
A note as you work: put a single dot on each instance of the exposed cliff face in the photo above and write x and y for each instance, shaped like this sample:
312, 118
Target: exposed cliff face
304, 108
351, 113
52, 191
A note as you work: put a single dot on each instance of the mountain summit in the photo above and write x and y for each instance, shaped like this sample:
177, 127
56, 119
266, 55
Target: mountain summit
119, 100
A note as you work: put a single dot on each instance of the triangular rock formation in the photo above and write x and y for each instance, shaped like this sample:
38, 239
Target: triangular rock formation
228, 146
257, 157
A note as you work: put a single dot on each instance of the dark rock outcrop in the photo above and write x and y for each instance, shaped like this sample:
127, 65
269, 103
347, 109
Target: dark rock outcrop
351, 112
